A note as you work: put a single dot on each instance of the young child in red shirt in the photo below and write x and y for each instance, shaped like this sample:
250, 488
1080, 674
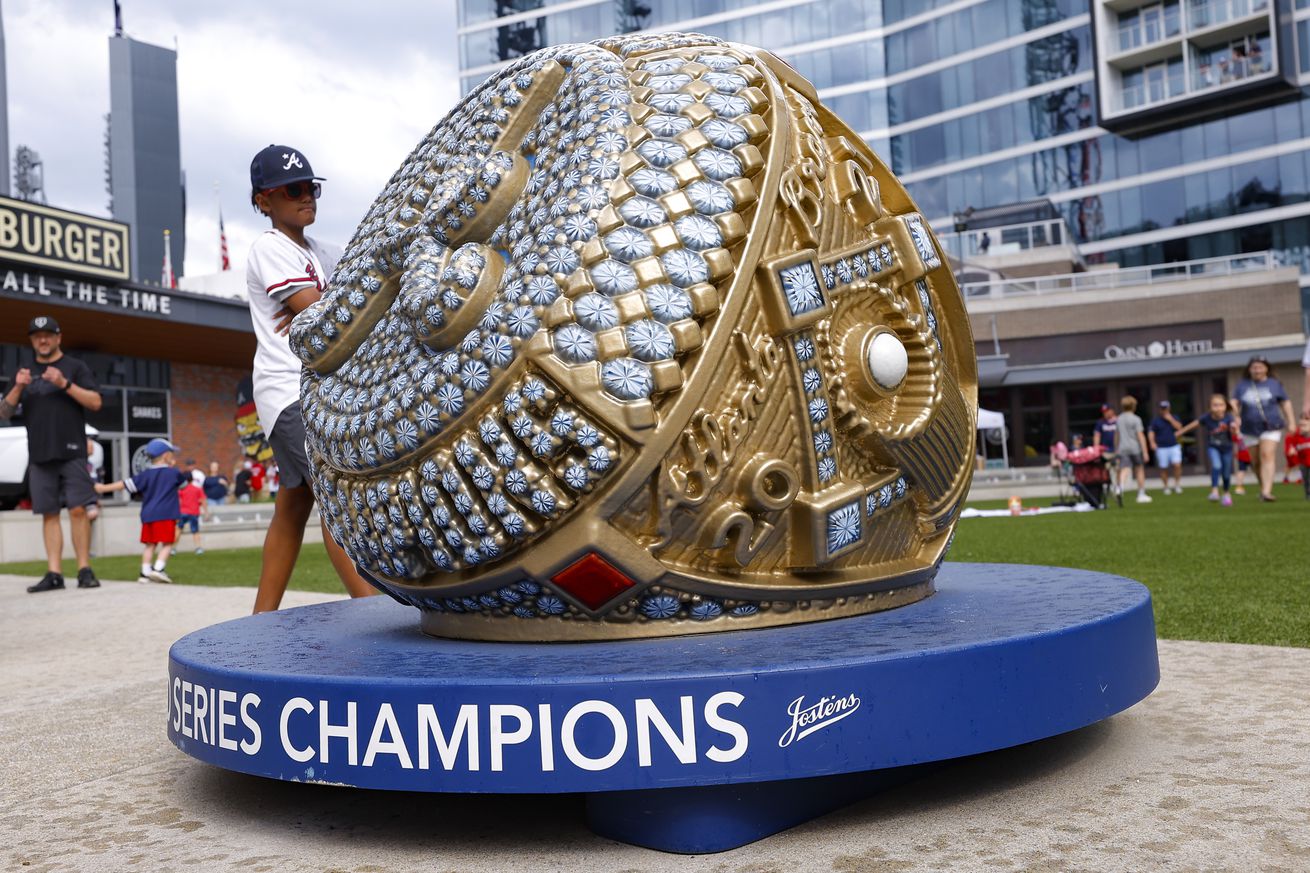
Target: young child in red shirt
256, 480
1300, 441
191, 500
1243, 464
1292, 456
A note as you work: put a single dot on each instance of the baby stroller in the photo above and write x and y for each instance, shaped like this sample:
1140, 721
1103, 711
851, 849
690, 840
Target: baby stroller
1089, 474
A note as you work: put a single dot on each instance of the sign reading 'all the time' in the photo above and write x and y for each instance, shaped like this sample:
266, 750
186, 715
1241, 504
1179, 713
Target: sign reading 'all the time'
37, 234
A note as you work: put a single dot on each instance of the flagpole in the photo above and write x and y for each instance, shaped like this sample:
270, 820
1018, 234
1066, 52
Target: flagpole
224, 263
166, 277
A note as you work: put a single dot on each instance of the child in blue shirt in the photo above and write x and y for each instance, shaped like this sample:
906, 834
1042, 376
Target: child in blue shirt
1218, 427
158, 485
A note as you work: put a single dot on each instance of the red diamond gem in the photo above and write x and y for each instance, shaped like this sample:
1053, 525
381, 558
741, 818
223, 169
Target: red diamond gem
592, 580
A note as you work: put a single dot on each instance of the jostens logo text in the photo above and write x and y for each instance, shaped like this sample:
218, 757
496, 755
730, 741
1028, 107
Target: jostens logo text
805, 720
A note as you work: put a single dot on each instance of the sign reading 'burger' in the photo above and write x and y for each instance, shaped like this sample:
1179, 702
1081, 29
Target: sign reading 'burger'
37, 234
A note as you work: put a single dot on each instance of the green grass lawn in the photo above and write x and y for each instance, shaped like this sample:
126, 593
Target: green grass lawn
224, 567
1239, 575
1232, 575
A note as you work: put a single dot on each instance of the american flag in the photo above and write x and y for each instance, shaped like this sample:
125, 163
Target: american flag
166, 277
224, 263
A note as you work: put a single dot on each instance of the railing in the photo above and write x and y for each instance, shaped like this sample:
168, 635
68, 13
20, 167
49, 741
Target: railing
1206, 76
1208, 13
1143, 32
988, 240
1101, 280
1146, 93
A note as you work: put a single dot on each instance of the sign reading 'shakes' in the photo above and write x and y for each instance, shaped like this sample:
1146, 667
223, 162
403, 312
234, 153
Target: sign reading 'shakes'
37, 234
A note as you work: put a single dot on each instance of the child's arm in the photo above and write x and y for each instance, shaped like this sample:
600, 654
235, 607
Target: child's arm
1188, 428
102, 488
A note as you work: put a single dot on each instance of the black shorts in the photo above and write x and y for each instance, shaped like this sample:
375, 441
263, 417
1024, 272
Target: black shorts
56, 484
288, 442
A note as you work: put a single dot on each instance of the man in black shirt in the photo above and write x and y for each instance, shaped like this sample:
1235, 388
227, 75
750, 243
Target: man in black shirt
55, 394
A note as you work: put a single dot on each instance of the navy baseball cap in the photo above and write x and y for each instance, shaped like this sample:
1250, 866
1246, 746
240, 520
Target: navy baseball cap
158, 446
278, 165
40, 323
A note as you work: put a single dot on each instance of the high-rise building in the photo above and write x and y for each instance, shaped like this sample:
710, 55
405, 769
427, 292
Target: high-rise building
1156, 151
145, 152
980, 103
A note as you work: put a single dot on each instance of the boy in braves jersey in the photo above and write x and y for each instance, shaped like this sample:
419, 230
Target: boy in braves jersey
287, 271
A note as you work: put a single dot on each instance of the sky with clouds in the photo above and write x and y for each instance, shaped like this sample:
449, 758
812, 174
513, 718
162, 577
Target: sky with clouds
353, 85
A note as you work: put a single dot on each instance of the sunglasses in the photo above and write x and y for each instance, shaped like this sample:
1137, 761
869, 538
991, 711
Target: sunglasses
296, 190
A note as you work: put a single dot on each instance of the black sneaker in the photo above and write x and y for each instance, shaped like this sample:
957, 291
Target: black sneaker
49, 582
86, 578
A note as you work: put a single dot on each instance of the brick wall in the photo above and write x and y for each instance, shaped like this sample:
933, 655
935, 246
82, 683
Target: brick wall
204, 408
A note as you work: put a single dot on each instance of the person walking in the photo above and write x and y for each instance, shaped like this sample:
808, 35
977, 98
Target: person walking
1217, 426
287, 271
1263, 411
1133, 448
1163, 438
56, 393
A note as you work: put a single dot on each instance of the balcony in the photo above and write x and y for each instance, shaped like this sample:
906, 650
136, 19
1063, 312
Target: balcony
1204, 14
1132, 277
1008, 238
1167, 65
1229, 71
1157, 88
1146, 33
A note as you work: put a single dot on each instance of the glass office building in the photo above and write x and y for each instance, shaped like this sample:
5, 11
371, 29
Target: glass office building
979, 103
1149, 131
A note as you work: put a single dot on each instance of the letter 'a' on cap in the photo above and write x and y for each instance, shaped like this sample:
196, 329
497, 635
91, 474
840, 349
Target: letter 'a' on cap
40, 323
277, 165
158, 446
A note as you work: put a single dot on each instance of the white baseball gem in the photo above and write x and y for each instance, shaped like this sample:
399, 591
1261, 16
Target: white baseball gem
888, 361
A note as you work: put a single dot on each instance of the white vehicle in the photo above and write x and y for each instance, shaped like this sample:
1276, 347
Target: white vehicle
13, 464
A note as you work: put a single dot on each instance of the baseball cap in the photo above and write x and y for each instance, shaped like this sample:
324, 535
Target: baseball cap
42, 322
158, 446
1164, 404
1105, 407
277, 165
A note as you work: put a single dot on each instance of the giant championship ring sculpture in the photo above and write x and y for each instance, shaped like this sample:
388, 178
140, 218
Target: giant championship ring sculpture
641, 340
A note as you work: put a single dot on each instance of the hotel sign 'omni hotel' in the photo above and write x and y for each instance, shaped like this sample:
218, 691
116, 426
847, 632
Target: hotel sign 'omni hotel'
168, 361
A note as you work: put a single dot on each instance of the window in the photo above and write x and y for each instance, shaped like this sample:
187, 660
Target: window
1083, 407
1038, 423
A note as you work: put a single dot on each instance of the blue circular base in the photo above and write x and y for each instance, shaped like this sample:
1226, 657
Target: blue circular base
351, 692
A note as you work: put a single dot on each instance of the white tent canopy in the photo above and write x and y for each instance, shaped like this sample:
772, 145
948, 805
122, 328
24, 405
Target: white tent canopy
988, 420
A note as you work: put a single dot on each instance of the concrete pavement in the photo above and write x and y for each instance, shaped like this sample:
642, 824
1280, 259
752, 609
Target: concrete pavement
1209, 773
